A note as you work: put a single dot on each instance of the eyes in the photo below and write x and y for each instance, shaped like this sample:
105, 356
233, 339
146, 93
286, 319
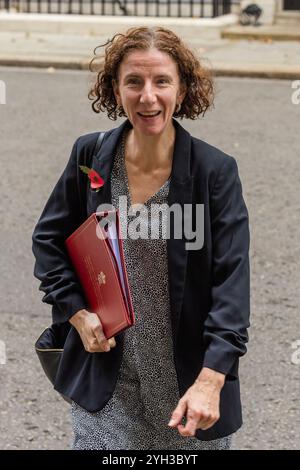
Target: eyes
137, 81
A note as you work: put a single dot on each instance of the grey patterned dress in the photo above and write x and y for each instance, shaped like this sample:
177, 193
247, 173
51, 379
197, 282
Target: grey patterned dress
137, 414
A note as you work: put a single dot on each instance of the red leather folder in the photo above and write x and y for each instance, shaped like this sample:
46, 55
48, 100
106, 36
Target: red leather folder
96, 252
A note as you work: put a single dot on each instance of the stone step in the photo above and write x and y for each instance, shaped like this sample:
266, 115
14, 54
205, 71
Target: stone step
288, 18
275, 32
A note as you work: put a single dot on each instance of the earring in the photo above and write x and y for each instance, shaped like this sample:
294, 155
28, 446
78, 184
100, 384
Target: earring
178, 108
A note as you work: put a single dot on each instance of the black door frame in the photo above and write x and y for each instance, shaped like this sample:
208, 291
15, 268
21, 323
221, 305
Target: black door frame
291, 5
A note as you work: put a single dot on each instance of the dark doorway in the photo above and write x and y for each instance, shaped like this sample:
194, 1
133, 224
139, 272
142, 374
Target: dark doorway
291, 4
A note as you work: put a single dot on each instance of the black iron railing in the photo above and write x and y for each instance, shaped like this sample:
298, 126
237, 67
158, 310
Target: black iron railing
158, 8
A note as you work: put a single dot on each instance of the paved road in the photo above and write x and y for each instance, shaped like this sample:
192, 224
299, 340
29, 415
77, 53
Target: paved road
255, 121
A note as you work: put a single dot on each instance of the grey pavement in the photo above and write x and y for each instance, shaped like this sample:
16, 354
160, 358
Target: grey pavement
241, 57
255, 121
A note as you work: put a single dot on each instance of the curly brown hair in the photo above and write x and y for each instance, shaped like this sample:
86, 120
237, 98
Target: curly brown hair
197, 79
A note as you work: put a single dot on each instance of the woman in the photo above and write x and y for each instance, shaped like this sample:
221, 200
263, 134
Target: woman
171, 381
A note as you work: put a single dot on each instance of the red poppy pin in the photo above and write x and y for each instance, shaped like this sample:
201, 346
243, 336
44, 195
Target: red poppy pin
96, 181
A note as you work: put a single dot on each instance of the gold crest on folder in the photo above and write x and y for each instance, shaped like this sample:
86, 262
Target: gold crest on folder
101, 278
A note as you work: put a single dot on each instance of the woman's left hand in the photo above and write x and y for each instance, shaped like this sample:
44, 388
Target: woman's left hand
200, 403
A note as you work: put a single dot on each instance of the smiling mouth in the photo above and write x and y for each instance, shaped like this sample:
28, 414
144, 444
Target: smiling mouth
149, 115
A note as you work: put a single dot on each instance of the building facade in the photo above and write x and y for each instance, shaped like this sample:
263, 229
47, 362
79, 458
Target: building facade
288, 11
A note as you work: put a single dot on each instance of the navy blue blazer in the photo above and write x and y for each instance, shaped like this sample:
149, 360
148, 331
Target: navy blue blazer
209, 287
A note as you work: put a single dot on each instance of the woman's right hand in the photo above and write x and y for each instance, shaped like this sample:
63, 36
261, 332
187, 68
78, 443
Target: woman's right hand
91, 333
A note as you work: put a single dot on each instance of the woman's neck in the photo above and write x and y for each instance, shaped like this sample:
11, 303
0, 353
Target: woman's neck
150, 153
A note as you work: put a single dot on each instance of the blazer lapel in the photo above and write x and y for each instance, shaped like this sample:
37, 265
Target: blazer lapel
103, 163
180, 192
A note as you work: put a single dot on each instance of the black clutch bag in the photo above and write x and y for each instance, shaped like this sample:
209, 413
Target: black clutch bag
49, 348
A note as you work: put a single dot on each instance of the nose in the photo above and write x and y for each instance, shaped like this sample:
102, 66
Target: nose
148, 95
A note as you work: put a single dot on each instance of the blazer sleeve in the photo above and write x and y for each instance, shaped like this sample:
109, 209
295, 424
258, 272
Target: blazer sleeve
225, 329
60, 217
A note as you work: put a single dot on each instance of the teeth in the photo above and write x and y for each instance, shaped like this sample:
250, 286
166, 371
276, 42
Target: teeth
149, 114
